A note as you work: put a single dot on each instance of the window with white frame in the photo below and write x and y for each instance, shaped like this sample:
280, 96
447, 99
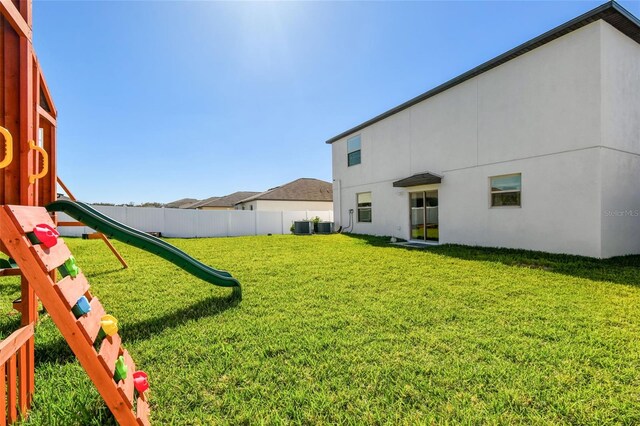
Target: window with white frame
353, 151
506, 190
364, 207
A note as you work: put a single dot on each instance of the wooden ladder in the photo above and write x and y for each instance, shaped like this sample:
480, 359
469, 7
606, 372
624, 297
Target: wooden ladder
38, 265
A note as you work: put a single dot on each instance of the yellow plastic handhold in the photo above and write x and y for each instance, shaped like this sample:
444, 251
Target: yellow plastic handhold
109, 325
45, 163
8, 148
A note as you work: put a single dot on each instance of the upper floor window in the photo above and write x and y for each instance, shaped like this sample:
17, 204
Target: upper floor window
506, 190
353, 151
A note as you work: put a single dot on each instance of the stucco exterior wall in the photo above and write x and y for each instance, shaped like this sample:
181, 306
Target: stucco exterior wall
540, 114
560, 211
560, 205
621, 143
620, 208
249, 205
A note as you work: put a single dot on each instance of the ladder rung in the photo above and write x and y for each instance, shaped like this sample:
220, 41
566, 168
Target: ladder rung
109, 350
28, 217
70, 289
125, 387
142, 411
90, 323
51, 258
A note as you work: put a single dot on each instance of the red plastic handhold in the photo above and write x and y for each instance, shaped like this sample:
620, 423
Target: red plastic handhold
46, 235
140, 381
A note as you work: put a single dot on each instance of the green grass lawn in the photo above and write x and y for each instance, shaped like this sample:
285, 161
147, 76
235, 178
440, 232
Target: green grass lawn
340, 329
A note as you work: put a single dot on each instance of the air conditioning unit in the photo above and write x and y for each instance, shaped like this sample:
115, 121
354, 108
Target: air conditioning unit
325, 227
303, 227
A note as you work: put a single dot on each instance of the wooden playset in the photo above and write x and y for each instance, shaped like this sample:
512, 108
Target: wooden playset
37, 255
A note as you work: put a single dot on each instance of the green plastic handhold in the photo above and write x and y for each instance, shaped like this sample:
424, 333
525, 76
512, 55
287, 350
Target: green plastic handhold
70, 267
121, 369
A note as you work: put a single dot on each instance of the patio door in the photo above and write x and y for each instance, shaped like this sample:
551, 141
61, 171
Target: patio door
424, 215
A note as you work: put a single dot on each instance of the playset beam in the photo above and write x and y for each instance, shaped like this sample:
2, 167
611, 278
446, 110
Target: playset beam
27, 128
44, 114
16, 19
10, 191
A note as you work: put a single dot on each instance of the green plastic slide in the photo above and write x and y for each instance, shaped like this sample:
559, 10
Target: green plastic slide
113, 229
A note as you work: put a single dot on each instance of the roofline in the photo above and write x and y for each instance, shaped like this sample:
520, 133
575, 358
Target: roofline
221, 198
255, 197
603, 11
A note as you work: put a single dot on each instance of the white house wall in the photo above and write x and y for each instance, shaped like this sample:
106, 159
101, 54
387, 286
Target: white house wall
539, 114
545, 101
560, 205
621, 140
620, 203
249, 205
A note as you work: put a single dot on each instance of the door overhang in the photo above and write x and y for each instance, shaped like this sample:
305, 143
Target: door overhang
418, 179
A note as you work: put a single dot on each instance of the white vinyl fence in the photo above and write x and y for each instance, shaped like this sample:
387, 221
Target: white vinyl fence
186, 223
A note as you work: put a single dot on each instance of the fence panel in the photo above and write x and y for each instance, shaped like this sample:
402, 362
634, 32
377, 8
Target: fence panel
118, 213
269, 223
213, 223
146, 219
179, 223
242, 223
187, 223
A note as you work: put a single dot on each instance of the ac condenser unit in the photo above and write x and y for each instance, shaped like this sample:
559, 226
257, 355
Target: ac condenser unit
303, 227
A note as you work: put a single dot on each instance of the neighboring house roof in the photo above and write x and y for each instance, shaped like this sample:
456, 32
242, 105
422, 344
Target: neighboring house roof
181, 202
610, 12
418, 179
303, 189
226, 201
200, 203
190, 205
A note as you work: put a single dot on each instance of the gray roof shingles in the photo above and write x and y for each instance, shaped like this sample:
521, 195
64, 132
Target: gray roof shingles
303, 189
181, 203
226, 201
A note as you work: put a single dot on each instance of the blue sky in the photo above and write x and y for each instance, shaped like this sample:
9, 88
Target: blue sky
164, 100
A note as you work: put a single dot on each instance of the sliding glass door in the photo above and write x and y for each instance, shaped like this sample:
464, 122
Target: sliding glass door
417, 215
424, 215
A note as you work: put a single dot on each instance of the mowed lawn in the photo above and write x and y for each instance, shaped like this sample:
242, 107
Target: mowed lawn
346, 330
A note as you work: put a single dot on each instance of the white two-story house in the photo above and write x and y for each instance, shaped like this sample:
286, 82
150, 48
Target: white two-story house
537, 149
